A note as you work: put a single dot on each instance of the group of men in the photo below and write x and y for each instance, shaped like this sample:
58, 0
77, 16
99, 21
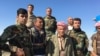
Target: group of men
37, 36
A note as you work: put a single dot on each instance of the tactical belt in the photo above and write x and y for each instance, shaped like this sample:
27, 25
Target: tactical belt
38, 45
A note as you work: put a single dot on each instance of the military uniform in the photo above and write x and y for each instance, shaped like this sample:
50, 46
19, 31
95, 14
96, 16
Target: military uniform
39, 41
80, 42
30, 20
13, 37
50, 25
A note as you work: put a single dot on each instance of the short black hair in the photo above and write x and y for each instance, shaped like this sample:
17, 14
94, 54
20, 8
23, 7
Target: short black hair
31, 5
41, 18
21, 11
77, 19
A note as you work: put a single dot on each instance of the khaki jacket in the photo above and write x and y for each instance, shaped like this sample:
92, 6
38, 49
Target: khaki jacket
94, 41
53, 46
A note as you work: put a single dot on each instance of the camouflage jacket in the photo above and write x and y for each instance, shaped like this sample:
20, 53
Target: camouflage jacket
30, 20
15, 35
50, 25
80, 42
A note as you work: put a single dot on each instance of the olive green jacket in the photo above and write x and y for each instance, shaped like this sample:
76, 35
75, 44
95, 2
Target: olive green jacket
15, 36
80, 42
50, 25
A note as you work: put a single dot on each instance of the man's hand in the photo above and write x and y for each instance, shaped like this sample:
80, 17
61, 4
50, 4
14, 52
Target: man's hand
93, 54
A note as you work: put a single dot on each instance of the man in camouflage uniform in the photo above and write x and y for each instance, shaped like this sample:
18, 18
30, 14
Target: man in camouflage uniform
38, 37
50, 23
96, 41
31, 16
79, 38
15, 40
